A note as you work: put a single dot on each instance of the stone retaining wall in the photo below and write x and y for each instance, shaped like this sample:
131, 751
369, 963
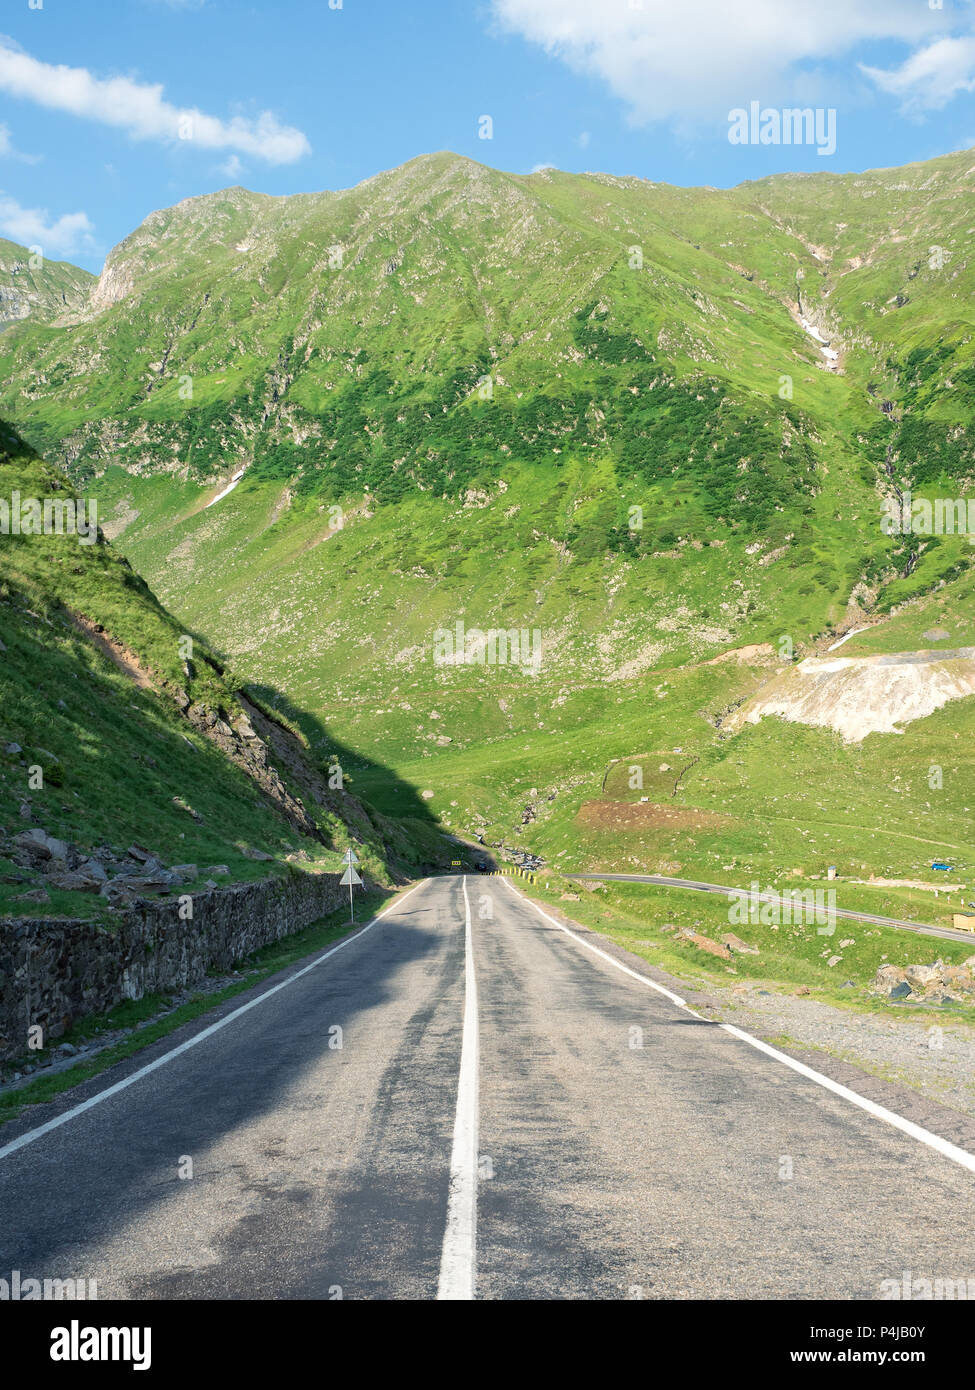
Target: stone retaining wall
56, 971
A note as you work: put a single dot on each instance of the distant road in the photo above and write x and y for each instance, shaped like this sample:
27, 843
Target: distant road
470, 1099
922, 928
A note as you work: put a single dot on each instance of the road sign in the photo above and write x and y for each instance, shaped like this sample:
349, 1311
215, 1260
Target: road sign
350, 876
455, 863
350, 857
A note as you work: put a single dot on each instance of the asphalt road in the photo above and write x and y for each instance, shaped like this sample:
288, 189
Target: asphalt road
515, 1112
922, 928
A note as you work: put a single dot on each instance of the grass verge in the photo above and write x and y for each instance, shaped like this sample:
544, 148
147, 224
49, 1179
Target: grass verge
637, 917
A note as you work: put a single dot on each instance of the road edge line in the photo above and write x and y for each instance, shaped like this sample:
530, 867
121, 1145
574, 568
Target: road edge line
644, 980
28, 1138
880, 1112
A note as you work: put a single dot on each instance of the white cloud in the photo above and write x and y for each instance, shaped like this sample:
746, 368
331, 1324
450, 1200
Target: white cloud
7, 150
139, 108
33, 227
686, 60
932, 76
232, 168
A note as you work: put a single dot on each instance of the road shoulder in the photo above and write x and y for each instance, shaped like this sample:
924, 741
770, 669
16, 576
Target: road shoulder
889, 1061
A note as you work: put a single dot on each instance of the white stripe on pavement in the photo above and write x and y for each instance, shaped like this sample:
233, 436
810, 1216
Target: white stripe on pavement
674, 998
880, 1112
457, 1258
59, 1120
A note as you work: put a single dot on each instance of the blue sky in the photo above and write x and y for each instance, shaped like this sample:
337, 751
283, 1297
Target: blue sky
303, 95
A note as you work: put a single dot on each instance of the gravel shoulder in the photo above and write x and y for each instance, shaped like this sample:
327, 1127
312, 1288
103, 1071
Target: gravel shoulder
937, 1057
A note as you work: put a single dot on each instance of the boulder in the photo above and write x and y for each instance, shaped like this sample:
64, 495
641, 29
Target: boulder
33, 895
740, 947
93, 867
958, 978
75, 881
920, 976
888, 976
40, 845
134, 885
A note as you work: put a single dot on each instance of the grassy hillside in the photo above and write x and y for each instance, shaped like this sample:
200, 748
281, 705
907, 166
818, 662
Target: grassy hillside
35, 288
96, 750
576, 404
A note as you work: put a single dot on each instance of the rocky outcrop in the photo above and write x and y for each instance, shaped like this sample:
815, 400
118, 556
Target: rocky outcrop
117, 876
54, 972
858, 696
241, 743
936, 983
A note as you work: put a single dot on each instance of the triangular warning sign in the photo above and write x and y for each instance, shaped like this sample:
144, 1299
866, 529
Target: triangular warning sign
350, 876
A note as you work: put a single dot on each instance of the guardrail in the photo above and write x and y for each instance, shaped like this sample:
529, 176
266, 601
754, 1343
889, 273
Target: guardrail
512, 871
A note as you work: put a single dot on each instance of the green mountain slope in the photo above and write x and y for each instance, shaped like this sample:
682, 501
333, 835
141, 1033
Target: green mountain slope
590, 407
112, 734
35, 288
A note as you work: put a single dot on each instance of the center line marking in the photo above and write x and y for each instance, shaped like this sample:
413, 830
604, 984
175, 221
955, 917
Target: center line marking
457, 1258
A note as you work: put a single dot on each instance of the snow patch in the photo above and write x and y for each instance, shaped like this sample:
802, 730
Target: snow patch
229, 488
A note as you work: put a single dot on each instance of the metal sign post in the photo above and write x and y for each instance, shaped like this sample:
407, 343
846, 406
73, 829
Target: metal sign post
350, 876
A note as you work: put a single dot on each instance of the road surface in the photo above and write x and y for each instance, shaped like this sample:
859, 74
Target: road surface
723, 890
515, 1111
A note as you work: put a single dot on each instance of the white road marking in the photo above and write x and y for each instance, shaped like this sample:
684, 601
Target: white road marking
880, 1112
674, 998
457, 1258
59, 1120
